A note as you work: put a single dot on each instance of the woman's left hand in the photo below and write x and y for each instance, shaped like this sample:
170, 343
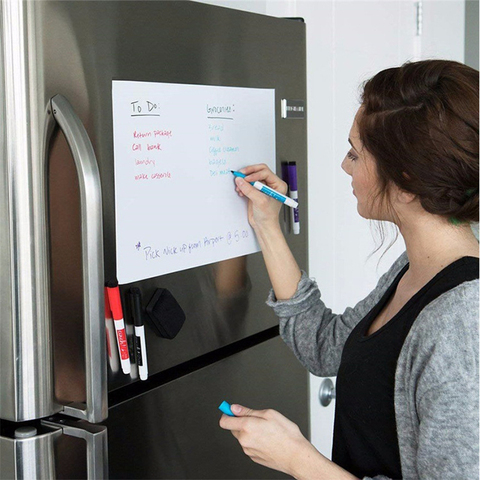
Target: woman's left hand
268, 438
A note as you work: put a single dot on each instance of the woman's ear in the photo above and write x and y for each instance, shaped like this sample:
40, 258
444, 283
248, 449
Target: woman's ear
402, 195
405, 197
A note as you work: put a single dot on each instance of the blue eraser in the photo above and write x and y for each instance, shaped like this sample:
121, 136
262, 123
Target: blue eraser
225, 408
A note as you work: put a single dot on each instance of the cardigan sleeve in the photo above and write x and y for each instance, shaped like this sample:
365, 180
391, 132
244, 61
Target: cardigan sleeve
437, 389
315, 334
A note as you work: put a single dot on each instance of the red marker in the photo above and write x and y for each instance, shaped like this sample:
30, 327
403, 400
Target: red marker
116, 307
111, 336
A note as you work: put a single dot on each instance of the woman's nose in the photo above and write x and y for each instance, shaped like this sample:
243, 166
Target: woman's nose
346, 166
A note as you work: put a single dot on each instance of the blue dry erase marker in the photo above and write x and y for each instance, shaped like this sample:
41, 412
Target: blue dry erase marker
225, 408
269, 191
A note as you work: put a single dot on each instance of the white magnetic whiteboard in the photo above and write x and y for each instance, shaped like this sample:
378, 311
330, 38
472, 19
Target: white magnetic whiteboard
174, 147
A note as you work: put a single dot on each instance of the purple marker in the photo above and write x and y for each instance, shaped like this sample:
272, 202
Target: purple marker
293, 193
285, 179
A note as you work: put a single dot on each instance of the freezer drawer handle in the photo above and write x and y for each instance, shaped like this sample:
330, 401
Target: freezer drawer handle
61, 113
97, 445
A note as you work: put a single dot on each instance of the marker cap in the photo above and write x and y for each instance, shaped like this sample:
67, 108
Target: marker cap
114, 300
292, 176
135, 296
108, 311
225, 408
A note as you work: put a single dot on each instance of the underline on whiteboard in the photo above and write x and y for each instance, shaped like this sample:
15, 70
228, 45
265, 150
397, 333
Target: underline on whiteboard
146, 115
220, 118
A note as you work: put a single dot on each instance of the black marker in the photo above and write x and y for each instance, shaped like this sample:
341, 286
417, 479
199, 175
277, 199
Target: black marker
139, 336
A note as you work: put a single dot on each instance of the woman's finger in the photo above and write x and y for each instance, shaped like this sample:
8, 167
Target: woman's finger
258, 172
235, 424
262, 173
249, 191
240, 410
248, 170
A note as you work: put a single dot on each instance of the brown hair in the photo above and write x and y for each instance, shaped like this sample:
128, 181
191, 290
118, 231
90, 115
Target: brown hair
420, 122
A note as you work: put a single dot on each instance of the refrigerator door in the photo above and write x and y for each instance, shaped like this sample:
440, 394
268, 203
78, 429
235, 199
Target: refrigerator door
26, 335
82, 47
173, 432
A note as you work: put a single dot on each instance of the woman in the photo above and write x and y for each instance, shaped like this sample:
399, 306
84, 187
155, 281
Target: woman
406, 357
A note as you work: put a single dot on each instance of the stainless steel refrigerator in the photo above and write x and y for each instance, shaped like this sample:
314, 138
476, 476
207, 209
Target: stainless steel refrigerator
64, 412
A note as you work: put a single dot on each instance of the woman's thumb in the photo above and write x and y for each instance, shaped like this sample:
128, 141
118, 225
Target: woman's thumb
240, 411
237, 410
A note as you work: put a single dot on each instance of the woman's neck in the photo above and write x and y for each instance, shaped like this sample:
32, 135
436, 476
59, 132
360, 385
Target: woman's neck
433, 243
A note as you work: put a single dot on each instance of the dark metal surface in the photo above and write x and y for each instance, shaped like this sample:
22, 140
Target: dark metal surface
86, 45
173, 431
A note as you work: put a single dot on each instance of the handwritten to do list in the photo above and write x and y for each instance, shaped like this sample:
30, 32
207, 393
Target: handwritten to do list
174, 148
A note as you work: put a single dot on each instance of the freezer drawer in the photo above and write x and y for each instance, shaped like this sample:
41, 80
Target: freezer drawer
173, 431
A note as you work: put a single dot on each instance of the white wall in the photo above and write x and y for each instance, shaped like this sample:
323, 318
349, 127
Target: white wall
347, 42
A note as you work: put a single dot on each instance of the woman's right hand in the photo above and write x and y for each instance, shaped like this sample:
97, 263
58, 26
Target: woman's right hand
263, 214
263, 211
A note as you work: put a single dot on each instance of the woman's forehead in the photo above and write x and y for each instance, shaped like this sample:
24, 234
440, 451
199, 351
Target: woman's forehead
354, 136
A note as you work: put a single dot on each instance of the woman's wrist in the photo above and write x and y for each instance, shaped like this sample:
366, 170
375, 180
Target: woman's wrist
271, 238
265, 232
282, 268
309, 464
303, 461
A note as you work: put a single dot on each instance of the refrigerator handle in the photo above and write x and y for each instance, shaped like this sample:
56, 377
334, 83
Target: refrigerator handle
61, 112
97, 444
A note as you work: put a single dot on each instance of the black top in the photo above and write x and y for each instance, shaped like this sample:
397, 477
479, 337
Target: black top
365, 437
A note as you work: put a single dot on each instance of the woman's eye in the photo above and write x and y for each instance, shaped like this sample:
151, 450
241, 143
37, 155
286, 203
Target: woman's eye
351, 156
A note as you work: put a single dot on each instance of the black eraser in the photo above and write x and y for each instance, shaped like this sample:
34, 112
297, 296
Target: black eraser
165, 315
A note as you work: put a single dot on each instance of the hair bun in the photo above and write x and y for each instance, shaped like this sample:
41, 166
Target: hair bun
467, 207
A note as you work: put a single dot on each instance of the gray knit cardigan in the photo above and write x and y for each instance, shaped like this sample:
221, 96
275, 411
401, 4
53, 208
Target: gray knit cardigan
437, 375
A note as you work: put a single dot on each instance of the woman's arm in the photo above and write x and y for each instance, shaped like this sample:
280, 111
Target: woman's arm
314, 333
273, 441
263, 211
281, 265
